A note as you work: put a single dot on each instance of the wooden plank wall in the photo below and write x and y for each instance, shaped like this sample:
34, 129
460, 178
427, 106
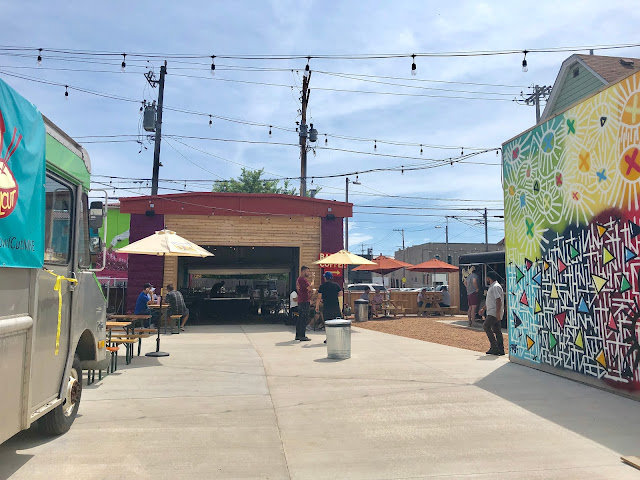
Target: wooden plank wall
254, 231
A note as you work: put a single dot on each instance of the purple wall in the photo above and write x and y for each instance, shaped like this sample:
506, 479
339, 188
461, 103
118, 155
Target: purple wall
332, 240
143, 268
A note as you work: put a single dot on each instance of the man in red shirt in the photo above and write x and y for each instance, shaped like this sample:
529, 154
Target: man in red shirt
303, 288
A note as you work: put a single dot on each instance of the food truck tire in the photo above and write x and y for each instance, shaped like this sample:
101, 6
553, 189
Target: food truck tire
59, 420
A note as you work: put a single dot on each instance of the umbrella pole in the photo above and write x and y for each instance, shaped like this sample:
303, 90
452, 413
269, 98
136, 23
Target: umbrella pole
158, 353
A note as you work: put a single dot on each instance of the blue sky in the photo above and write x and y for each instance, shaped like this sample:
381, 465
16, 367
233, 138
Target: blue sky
308, 28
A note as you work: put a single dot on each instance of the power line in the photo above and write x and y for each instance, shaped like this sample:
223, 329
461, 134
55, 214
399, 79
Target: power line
362, 56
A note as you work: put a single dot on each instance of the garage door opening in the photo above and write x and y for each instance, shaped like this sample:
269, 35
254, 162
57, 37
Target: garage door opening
257, 283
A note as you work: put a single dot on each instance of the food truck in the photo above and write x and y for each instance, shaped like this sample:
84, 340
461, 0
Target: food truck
52, 310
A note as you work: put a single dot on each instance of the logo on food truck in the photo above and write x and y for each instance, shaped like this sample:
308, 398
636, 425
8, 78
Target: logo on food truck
8, 184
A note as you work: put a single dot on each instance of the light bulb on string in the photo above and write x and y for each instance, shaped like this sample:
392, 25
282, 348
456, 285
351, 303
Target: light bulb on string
326, 142
124, 64
213, 66
525, 68
269, 131
210, 120
375, 145
402, 170
413, 66
39, 57
66, 92
420, 149
141, 106
307, 71
462, 152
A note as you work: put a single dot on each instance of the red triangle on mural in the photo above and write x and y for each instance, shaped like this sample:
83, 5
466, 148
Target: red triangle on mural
561, 266
561, 317
612, 323
523, 299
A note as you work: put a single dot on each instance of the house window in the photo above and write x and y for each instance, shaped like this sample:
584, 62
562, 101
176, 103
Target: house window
576, 72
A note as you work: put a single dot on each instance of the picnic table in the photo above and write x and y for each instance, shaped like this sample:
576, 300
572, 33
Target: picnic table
164, 313
130, 337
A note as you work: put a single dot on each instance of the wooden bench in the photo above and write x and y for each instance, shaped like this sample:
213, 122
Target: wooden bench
127, 342
112, 366
139, 336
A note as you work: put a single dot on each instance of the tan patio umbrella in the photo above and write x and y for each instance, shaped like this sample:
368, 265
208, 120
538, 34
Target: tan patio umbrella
344, 258
164, 243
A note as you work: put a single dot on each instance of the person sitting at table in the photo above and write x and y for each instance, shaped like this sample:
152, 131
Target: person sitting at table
176, 305
446, 297
142, 306
376, 304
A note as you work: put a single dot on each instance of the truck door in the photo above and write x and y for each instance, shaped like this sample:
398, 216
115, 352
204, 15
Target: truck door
48, 367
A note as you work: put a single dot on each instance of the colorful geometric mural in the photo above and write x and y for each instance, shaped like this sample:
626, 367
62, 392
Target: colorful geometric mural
572, 221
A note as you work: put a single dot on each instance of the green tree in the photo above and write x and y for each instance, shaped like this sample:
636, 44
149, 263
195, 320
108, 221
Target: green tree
251, 181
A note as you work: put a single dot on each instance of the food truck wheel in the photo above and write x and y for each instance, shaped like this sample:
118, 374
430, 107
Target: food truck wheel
59, 420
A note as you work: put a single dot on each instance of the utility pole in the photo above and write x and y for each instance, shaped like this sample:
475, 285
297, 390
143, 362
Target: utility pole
156, 149
446, 236
346, 219
534, 99
303, 132
404, 255
486, 232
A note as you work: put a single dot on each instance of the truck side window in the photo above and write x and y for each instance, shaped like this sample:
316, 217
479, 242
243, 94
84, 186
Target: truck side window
84, 256
57, 222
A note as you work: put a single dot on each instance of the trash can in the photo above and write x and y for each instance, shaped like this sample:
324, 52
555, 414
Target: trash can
362, 310
338, 333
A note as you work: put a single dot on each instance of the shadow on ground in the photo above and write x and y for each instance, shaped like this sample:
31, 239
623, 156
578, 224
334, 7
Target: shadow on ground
10, 460
613, 420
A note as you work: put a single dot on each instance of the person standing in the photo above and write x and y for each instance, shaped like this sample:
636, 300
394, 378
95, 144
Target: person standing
303, 288
328, 294
176, 305
472, 284
494, 308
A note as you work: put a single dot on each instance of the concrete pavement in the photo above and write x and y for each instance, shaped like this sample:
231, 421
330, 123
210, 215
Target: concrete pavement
247, 401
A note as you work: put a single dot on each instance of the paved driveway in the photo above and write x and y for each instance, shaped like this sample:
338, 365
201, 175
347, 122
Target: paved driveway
236, 402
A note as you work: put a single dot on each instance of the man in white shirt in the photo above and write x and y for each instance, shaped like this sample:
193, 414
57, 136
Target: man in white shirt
446, 297
494, 308
293, 302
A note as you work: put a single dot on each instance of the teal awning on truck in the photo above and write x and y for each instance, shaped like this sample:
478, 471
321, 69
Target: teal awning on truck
65, 163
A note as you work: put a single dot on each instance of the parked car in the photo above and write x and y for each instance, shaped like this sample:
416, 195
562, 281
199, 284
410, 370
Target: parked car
359, 287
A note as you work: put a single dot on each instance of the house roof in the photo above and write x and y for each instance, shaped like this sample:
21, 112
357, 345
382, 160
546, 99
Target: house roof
611, 69
608, 70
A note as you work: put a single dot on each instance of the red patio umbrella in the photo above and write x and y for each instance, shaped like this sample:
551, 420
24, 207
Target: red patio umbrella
434, 266
383, 266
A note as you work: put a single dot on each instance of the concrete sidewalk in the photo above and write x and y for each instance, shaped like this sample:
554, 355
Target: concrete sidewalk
237, 402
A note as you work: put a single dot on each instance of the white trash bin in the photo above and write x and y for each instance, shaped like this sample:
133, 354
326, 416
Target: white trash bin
338, 338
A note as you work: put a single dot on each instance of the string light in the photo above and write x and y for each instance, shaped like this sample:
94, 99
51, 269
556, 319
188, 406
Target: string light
269, 131
462, 152
420, 149
307, 71
525, 68
375, 145
39, 57
66, 92
326, 142
210, 120
213, 66
142, 105
124, 64
413, 65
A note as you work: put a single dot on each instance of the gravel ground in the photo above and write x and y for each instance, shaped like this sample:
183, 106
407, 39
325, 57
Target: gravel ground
432, 329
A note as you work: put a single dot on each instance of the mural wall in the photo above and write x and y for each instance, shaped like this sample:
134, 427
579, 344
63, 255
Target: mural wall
572, 221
